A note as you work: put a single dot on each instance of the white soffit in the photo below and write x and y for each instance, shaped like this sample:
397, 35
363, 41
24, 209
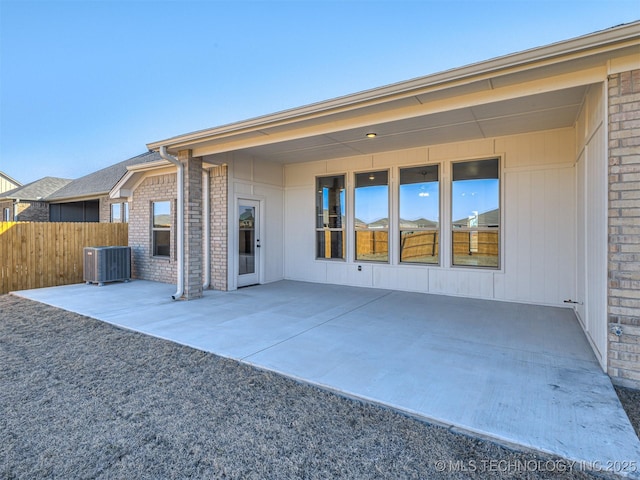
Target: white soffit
545, 111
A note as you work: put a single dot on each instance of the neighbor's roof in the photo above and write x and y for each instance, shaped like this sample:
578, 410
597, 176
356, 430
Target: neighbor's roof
100, 182
38, 190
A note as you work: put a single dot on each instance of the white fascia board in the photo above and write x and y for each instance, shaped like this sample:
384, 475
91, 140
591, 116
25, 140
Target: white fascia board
135, 174
593, 75
148, 166
599, 42
79, 198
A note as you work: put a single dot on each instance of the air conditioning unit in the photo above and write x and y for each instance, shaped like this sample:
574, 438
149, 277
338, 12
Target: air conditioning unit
107, 264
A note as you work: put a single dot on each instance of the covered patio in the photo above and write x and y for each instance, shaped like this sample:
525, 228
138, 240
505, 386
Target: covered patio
520, 374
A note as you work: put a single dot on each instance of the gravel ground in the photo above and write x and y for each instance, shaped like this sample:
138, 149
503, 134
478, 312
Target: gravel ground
83, 399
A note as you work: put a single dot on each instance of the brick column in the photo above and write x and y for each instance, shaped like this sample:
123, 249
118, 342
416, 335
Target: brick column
219, 227
192, 225
624, 228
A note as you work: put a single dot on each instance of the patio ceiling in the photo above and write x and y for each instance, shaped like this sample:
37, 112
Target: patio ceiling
544, 111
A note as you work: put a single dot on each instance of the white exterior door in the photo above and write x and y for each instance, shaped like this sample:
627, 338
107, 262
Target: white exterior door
248, 242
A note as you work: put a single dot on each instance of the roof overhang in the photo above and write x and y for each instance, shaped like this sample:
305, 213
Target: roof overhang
538, 89
135, 174
79, 198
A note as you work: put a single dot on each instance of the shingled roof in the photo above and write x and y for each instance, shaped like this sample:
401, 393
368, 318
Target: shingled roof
101, 182
38, 190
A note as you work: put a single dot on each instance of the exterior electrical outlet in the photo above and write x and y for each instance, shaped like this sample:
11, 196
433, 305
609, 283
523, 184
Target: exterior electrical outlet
107, 264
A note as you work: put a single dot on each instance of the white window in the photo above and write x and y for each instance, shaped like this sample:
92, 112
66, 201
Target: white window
161, 229
372, 216
6, 214
420, 214
475, 213
330, 217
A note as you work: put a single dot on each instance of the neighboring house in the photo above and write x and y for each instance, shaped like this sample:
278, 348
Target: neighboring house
536, 153
86, 199
7, 183
28, 203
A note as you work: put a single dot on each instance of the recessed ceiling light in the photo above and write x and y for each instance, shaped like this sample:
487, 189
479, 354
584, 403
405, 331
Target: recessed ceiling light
371, 135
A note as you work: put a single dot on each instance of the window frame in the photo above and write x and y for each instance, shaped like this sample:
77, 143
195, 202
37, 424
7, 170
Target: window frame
355, 228
156, 229
324, 229
438, 229
476, 229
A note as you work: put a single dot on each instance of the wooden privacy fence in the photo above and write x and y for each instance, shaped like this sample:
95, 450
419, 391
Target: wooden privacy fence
372, 244
36, 255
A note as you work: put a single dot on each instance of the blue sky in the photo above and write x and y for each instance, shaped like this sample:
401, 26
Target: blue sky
85, 84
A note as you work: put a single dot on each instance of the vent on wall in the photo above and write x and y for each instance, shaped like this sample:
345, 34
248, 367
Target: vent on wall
107, 264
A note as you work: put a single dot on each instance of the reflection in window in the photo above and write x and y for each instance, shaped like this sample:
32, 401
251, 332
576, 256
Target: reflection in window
246, 239
330, 217
161, 229
372, 216
419, 214
115, 213
475, 210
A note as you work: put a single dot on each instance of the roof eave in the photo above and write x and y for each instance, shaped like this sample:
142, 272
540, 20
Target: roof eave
123, 188
570, 49
77, 198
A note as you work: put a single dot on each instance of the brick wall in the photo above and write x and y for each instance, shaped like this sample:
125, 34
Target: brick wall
163, 187
193, 258
6, 204
218, 193
33, 211
144, 265
624, 228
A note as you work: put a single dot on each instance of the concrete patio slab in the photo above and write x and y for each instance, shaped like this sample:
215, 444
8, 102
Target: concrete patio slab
517, 373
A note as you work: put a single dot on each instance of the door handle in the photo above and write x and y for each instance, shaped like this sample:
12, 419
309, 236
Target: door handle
258, 243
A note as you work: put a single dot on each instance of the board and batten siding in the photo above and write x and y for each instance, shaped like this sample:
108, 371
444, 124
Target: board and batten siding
591, 220
6, 184
538, 239
262, 181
